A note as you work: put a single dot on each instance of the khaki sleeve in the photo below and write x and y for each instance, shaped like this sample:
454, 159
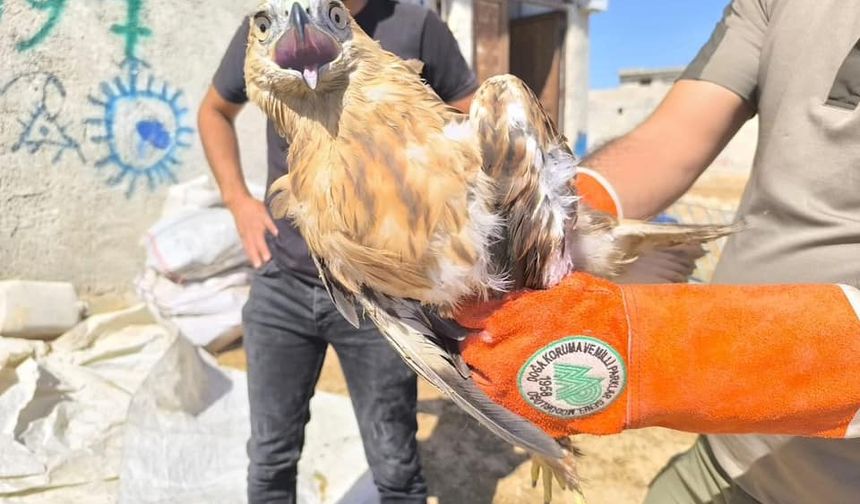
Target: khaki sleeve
731, 57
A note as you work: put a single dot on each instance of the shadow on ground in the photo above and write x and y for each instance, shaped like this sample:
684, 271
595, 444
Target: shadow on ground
463, 462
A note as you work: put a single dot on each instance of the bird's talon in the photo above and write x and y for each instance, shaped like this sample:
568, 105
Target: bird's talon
560, 480
547, 485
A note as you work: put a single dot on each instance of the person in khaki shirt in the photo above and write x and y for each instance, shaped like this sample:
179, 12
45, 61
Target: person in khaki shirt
796, 64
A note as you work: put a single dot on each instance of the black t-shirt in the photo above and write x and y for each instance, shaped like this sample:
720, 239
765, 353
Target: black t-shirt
407, 30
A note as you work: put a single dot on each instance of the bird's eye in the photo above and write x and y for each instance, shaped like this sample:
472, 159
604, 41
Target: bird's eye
263, 23
338, 16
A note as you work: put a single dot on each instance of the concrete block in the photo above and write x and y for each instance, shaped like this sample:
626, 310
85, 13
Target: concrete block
42, 310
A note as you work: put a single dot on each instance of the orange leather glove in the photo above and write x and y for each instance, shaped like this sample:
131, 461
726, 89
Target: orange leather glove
590, 356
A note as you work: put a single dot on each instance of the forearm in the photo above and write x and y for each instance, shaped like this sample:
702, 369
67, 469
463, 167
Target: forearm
646, 174
221, 146
653, 165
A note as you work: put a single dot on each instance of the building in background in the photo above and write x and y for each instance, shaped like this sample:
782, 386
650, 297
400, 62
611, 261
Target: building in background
544, 42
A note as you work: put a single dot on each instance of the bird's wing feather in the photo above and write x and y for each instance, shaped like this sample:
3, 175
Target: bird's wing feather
637, 237
407, 327
343, 300
428, 343
532, 167
602, 246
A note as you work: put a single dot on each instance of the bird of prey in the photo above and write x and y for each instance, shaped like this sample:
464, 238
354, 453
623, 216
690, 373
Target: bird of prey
411, 208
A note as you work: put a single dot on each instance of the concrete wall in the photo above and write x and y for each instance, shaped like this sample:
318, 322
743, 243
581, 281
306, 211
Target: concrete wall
574, 124
98, 104
458, 15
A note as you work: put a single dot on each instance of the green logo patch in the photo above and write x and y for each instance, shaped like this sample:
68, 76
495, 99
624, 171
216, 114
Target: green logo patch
573, 377
574, 386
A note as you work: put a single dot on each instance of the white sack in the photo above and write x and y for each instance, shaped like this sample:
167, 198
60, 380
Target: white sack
207, 313
196, 236
122, 409
63, 406
194, 244
37, 309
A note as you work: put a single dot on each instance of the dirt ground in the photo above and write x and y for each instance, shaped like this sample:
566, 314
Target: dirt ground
465, 464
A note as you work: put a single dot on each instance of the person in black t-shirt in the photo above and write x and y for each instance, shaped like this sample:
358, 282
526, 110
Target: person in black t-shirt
289, 320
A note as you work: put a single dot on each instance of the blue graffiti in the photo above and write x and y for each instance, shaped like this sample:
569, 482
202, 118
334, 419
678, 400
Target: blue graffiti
143, 124
154, 134
41, 128
143, 127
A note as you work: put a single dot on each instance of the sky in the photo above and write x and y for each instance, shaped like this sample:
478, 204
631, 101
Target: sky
649, 34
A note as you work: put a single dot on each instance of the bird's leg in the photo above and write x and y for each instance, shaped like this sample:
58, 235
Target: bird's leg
564, 473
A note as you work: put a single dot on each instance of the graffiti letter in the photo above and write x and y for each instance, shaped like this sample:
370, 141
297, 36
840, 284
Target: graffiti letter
55, 9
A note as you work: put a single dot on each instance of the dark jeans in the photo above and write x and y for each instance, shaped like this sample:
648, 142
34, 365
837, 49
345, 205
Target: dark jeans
288, 324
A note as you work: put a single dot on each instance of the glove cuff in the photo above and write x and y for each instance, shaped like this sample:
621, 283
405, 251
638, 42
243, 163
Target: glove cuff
596, 191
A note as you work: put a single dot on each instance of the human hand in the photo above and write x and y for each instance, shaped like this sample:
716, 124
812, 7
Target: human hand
511, 337
252, 221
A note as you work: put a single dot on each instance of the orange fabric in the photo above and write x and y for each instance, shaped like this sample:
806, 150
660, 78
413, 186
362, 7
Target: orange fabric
705, 359
522, 324
731, 359
594, 194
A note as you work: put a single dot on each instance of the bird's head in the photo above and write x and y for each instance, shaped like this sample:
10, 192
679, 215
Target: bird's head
299, 46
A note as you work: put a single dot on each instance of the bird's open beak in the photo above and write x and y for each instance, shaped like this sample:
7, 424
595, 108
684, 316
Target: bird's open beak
304, 47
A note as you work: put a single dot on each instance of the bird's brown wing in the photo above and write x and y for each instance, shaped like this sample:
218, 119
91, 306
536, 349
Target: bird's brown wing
422, 340
602, 246
549, 233
429, 345
343, 300
533, 167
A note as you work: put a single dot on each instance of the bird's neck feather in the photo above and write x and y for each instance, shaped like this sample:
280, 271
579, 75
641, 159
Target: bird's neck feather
375, 81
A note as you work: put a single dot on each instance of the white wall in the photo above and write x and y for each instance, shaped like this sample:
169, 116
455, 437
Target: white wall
71, 120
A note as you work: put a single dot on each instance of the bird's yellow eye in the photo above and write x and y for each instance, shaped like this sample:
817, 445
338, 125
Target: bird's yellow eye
263, 24
338, 16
